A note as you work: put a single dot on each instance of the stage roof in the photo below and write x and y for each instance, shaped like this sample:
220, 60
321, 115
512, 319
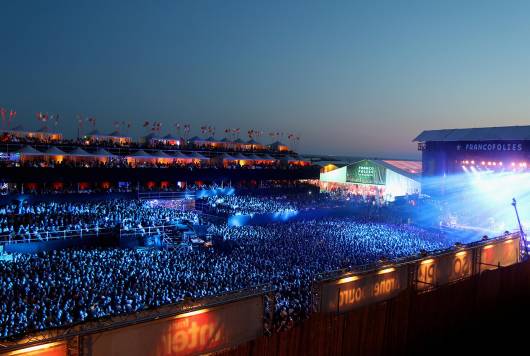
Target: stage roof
505, 133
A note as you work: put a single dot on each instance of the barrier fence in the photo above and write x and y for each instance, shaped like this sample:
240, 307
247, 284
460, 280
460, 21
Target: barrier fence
188, 328
227, 321
7, 238
342, 291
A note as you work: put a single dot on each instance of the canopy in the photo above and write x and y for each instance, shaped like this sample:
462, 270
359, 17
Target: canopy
140, 154
269, 158
29, 151
227, 157
79, 152
239, 156
54, 151
180, 155
161, 154
102, 152
151, 136
169, 137
197, 155
257, 158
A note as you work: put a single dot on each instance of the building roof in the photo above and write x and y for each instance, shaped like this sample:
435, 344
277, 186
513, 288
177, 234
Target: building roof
505, 133
408, 168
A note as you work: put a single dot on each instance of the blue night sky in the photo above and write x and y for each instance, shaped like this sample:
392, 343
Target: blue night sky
349, 77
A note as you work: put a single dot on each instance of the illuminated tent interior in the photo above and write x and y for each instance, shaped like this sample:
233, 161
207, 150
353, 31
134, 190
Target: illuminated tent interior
387, 179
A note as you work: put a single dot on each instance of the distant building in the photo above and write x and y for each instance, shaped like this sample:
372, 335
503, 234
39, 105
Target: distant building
457, 151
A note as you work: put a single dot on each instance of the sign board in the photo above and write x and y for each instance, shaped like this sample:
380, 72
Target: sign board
198, 332
366, 172
49, 349
352, 291
499, 253
444, 269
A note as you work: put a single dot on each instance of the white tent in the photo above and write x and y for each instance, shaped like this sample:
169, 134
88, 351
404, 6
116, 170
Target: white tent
29, 151
54, 151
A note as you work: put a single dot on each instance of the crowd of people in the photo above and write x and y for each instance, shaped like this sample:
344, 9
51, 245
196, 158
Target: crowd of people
44, 220
58, 288
260, 204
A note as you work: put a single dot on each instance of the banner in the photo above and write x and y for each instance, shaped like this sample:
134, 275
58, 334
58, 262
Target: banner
444, 269
366, 172
49, 349
198, 332
499, 253
352, 291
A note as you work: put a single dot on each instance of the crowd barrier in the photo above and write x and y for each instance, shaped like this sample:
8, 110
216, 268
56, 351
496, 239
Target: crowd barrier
206, 326
225, 323
341, 291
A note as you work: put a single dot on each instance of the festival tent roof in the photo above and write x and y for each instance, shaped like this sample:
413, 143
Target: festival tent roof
161, 154
211, 139
253, 142
169, 137
227, 157
117, 134
196, 139
29, 151
79, 152
269, 158
102, 152
411, 169
54, 151
225, 140
277, 143
140, 154
239, 141
257, 158
46, 130
197, 155
180, 155
240, 156
151, 136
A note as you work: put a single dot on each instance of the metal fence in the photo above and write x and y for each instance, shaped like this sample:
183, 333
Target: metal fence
14, 238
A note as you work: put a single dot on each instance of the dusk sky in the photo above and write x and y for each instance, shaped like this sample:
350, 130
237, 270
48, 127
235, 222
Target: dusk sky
350, 78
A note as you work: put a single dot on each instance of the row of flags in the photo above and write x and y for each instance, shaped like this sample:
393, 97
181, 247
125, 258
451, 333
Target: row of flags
154, 126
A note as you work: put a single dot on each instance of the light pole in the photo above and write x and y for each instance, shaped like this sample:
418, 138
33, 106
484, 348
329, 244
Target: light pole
523, 236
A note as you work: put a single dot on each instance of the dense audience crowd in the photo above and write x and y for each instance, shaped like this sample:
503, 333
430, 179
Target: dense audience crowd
58, 288
258, 204
43, 220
